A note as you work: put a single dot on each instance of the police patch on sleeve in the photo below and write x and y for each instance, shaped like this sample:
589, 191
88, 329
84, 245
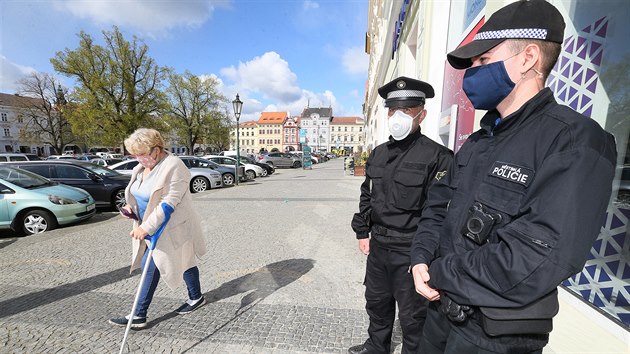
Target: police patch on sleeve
512, 173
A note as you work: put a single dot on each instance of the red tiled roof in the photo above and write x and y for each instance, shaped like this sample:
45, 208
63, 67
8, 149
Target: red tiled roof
346, 120
272, 117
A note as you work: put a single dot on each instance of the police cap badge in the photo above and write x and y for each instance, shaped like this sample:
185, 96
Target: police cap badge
405, 92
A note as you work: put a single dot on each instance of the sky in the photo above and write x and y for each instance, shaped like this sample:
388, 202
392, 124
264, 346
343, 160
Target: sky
278, 55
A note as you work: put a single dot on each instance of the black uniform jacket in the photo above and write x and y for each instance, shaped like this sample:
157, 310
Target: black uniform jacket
548, 172
398, 174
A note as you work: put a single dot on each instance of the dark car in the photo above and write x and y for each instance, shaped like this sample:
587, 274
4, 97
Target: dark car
107, 187
279, 159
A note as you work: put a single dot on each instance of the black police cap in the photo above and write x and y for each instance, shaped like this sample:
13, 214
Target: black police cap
405, 92
524, 19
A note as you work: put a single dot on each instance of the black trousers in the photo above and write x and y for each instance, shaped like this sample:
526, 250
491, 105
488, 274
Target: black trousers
387, 282
438, 338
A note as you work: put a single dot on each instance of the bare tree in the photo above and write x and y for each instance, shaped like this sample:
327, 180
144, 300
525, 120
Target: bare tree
44, 111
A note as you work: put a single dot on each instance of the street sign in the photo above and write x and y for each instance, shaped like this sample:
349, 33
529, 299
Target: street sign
306, 158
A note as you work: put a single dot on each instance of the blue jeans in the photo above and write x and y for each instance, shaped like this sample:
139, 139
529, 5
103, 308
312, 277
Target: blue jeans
191, 278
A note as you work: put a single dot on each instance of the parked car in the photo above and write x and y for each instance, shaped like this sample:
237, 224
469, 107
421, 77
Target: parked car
251, 170
9, 156
227, 173
280, 159
86, 157
621, 194
267, 169
107, 187
201, 178
33, 204
105, 162
60, 157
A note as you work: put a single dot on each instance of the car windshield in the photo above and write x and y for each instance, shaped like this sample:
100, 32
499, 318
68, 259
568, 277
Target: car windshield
22, 178
100, 170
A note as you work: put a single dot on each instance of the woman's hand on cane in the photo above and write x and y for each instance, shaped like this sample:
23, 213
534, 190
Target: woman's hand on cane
138, 233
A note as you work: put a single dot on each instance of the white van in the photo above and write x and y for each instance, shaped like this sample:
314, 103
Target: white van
9, 156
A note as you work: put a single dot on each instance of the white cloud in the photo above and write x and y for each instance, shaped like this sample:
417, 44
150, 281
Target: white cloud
355, 61
354, 93
268, 75
267, 84
308, 5
10, 73
146, 15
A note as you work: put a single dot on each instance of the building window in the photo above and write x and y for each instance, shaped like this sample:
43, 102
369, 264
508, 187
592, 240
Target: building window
6, 131
4, 117
345, 129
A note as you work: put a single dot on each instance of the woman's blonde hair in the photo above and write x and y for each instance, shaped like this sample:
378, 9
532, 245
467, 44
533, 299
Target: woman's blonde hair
143, 140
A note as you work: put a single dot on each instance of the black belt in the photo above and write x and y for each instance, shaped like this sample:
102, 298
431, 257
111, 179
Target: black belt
383, 231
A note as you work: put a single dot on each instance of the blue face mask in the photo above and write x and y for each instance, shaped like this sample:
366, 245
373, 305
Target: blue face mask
487, 85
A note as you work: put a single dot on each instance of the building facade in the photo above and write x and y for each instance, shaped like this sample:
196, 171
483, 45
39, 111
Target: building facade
12, 121
290, 135
315, 128
346, 134
412, 38
249, 137
270, 127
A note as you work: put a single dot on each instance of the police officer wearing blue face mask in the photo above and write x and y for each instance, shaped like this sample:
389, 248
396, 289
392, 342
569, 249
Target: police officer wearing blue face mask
398, 174
522, 204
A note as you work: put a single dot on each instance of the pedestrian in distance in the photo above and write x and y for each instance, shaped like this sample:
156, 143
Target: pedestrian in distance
398, 174
162, 178
523, 202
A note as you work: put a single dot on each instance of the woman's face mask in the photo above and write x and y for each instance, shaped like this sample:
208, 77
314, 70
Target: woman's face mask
147, 161
399, 124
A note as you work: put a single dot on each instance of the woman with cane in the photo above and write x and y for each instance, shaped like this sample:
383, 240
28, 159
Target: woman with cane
162, 178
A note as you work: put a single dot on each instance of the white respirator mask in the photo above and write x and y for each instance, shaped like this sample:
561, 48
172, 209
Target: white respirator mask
400, 124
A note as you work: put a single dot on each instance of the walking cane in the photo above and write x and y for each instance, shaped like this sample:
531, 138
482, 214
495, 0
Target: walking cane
168, 210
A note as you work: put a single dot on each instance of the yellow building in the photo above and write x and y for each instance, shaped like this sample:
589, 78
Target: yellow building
270, 125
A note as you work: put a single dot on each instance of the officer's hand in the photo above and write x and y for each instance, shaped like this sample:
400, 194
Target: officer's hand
138, 233
364, 246
421, 277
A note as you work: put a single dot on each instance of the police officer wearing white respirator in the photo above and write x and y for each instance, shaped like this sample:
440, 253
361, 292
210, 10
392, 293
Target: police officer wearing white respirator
398, 174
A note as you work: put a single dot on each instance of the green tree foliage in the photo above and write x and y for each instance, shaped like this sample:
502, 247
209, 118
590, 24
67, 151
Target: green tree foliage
45, 112
118, 87
194, 107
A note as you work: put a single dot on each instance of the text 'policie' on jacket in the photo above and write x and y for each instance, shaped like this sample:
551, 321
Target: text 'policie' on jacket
548, 172
398, 174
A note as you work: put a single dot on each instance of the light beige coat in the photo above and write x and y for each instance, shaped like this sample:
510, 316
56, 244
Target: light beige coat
182, 241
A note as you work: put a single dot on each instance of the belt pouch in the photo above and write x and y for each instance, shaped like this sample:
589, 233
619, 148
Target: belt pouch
535, 318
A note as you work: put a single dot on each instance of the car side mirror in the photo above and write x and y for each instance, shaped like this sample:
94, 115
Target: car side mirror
7, 191
94, 177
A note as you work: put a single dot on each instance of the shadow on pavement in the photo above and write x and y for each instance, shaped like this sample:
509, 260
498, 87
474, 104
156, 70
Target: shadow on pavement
264, 282
44, 297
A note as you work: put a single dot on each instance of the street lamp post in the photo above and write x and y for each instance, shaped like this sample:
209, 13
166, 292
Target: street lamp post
238, 105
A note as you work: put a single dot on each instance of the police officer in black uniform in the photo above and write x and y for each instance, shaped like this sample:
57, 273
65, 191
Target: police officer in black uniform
398, 174
523, 202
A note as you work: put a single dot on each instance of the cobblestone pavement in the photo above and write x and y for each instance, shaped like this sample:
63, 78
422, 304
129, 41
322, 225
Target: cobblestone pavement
283, 275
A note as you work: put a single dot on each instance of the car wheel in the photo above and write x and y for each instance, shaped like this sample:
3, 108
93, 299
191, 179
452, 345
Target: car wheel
37, 221
297, 164
118, 201
198, 184
250, 174
228, 179
265, 173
